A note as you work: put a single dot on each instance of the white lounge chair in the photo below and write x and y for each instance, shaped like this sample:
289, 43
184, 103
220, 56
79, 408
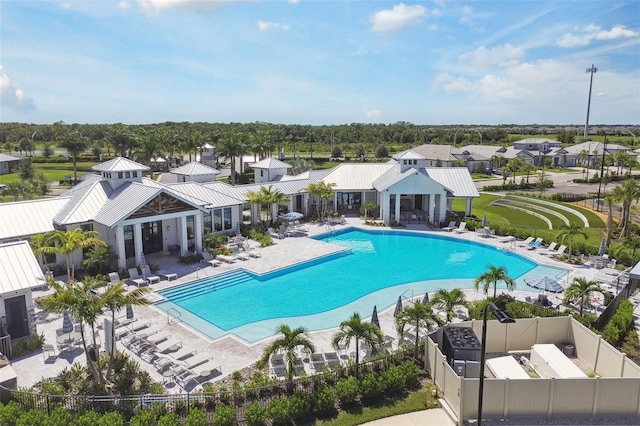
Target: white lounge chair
558, 252
146, 273
284, 231
251, 251
298, 227
526, 242
135, 278
507, 239
225, 258
534, 245
450, 227
206, 257
551, 248
240, 255
274, 234
114, 278
461, 228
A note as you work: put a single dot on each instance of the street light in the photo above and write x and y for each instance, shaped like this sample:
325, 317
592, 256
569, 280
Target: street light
504, 318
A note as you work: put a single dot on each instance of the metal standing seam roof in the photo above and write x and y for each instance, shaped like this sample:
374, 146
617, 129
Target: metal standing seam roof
22, 218
195, 169
84, 204
270, 163
5, 158
120, 164
287, 187
210, 196
457, 179
408, 155
348, 176
437, 152
19, 269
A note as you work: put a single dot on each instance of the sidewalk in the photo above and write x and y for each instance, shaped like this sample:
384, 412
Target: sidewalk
432, 417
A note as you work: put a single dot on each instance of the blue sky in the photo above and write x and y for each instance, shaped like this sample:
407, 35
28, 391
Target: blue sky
319, 62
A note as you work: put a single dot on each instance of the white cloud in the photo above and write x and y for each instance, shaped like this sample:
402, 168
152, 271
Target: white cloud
265, 26
496, 87
450, 83
294, 1
467, 19
188, 5
594, 32
123, 5
433, 27
12, 97
398, 17
482, 57
372, 114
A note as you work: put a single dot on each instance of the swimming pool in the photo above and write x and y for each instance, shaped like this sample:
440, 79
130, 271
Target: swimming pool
376, 268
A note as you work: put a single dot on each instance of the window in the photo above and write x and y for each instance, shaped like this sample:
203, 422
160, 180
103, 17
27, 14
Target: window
127, 174
207, 222
415, 161
134, 174
190, 227
227, 218
261, 173
217, 219
119, 175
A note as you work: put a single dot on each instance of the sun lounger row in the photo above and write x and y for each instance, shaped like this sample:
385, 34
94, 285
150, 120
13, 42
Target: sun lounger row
236, 255
457, 229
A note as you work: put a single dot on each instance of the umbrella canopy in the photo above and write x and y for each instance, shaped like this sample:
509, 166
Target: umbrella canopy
67, 323
425, 299
374, 317
398, 306
602, 247
129, 312
484, 221
544, 284
292, 216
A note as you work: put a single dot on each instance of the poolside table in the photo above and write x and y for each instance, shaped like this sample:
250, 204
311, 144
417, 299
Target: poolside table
167, 275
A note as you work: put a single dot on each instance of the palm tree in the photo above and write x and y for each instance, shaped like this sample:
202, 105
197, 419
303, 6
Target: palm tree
115, 298
324, 192
493, 276
355, 329
100, 256
628, 191
582, 289
447, 300
421, 316
634, 244
609, 199
67, 242
81, 301
568, 234
232, 146
149, 147
267, 196
288, 343
75, 144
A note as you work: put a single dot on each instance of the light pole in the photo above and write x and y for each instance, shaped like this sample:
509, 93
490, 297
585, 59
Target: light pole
604, 153
592, 71
504, 318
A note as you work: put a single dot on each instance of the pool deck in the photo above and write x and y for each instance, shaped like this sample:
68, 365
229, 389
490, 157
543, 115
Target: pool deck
232, 353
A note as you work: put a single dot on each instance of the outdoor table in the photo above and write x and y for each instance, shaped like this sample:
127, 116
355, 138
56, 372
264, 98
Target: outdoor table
69, 338
167, 275
168, 375
599, 262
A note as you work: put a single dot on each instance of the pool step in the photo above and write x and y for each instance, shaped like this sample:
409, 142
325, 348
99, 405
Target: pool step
207, 285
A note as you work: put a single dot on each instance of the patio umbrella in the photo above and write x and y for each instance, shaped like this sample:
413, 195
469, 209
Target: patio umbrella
484, 220
374, 317
67, 323
544, 283
129, 312
602, 247
398, 306
291, 216
425, 299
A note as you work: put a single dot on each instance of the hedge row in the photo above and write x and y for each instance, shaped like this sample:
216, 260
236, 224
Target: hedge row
515, 186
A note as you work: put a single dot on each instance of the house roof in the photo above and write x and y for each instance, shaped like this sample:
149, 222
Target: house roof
393, 176
19, 269
195, 169
351, 176
487, 151
5, 158
269, 163
211, 197
120, 164
85, 201
23, 218
457, 179
594, 148
408, 154
437, 152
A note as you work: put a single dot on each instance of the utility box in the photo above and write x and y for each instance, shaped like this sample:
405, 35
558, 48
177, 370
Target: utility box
460, 343
472, 369
460, 367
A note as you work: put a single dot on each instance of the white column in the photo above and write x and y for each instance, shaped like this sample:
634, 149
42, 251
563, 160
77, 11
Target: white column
432, 202
468, 207
198, 225
137, 241
182, 235
384, 207
122, 258
396, 216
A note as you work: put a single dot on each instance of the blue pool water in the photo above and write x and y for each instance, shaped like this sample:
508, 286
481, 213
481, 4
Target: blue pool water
377, 267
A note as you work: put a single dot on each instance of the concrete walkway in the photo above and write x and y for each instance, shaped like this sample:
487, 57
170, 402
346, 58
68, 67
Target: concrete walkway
432, 417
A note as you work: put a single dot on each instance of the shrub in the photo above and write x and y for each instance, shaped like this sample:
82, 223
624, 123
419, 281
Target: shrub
214, 240
347, 391
10, 413
411, 374
325, 402
196, 417
371, 386
370, 208
382, 151
336, 152
111, 419
279, 411
169, 419
32, 418
224, 416
91, 418
59, 417
299, 406
190, 259
393, 380
255, 414
143, 418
